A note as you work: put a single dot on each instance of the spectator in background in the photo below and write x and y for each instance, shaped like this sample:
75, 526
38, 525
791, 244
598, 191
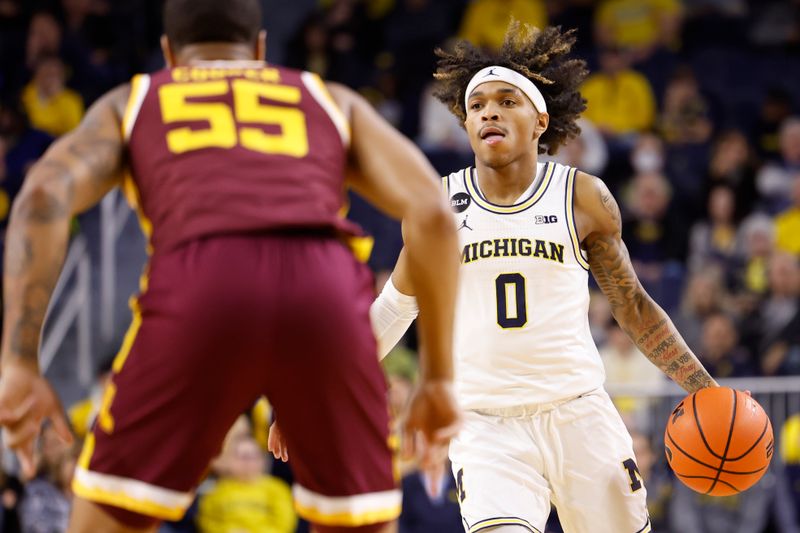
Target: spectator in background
685, 117
763, 326
587, 151
619, 100
746, 512
45, 504
775, 108
787, 224
90, 22
720, 352
655, 237
757, 238
247, 499
24, 144
774, 180
647, 155
50, 105
732, 163
703, 297
485, 22
600, 317
712, 242
427, 511
782, 357
625, 367
656, 478
685, 124
44, 38
413, 29
308, 48
781, 317
440, 130
642, 26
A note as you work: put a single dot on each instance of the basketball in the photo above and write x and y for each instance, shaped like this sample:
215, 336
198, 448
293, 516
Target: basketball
719, 441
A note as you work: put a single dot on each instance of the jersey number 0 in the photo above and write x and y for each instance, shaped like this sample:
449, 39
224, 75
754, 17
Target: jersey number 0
511, 287
188, 102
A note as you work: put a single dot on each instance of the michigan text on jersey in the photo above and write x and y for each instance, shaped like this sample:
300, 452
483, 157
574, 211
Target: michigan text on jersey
512, 247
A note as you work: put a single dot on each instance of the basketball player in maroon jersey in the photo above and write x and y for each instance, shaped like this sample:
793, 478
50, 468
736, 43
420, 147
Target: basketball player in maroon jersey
237, 170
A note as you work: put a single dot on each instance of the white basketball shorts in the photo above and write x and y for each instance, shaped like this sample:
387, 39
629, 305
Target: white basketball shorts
511, 464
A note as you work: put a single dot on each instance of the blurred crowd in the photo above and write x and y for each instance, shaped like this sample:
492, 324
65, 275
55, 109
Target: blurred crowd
693, 121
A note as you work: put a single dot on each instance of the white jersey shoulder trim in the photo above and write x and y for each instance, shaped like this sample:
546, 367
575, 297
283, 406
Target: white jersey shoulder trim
317, 88
569, 212
140, 84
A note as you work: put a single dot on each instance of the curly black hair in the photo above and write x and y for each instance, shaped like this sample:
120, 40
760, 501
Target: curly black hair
540, 55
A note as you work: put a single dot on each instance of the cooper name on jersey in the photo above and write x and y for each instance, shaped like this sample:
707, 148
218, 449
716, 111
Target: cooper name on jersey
513, 247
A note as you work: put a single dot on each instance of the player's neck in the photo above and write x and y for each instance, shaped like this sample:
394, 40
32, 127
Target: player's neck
192, 53
504, 185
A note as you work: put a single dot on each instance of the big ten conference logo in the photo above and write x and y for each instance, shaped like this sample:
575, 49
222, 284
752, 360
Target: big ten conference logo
459, 202
545, 219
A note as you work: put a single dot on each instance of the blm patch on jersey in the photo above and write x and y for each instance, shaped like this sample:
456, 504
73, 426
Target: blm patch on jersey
460, 201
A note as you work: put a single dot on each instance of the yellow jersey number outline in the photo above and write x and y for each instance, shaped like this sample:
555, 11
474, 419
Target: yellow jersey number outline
223, 130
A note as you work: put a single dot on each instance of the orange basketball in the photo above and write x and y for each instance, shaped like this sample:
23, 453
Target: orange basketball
719, 441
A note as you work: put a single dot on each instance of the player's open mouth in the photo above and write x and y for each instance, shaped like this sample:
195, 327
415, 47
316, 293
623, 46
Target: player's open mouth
492, 135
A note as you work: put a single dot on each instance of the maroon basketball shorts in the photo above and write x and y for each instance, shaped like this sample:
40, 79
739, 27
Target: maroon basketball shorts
219, 323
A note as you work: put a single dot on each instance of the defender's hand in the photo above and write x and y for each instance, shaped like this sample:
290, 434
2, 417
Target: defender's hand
27, 399
276, 443
433, 419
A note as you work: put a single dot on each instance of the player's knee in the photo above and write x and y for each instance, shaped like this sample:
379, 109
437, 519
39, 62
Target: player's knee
370, 528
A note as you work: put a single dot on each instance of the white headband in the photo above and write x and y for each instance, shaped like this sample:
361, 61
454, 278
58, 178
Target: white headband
511, 77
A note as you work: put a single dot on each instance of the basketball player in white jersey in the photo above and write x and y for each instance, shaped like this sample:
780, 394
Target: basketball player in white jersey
539, 427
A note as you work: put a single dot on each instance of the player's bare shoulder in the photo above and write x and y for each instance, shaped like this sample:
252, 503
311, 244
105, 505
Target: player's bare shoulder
596, 210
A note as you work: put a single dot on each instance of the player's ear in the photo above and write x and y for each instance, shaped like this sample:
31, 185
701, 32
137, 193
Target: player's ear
169, 53
542, 122
261, 46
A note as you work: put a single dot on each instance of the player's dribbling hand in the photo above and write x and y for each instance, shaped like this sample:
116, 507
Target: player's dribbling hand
276, 444
27, 399
432, 419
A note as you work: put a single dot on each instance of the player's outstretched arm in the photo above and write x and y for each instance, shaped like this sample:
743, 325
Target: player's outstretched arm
72, 176
394, 175
635, 311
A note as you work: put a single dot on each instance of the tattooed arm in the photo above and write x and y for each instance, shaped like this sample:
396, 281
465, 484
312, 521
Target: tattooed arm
74, 174
600, 225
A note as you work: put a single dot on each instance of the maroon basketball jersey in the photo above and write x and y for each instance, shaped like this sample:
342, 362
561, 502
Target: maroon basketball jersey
230, 147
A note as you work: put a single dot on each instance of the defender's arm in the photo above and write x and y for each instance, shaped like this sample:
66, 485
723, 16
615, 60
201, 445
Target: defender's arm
394, 175
74, 174
635, 311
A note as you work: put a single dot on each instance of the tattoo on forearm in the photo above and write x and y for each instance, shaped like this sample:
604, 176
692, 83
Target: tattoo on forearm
18, 254
25, 332
641, 318
610, 266
97, 153
53, 199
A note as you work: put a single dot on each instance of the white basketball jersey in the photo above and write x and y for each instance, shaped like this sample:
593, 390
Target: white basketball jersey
521, 325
